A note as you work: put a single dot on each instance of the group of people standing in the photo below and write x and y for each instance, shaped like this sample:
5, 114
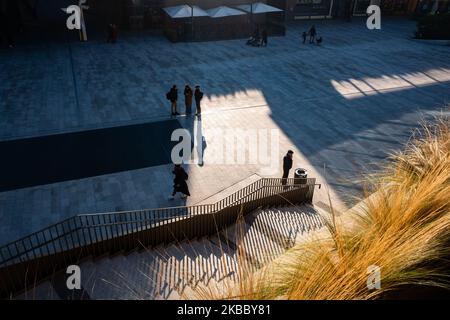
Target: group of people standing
189, 95
181, 176
312, 33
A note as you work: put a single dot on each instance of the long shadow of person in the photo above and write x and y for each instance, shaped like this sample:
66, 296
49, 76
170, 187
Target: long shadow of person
199, 141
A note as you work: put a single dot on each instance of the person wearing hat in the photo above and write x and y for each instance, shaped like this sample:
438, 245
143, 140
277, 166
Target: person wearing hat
287, 165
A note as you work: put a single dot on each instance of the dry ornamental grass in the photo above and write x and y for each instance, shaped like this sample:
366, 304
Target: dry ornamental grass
403, 228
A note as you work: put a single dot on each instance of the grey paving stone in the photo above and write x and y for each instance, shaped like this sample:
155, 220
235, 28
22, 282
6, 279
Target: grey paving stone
345, 105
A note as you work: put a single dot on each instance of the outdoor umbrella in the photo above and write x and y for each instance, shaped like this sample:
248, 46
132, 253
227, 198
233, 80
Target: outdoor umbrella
186, 11
258, 7
224, 11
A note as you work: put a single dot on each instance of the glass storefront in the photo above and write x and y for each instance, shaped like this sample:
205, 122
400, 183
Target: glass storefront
394, 7
307, 8
433, 6
388, 7
360, 7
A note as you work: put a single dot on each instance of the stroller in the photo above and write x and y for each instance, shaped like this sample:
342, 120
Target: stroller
319, 40
254, 42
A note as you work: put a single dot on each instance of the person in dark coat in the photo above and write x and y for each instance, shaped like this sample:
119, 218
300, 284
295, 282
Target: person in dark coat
188, 99
304, 34
264, 38
172, 96
287, 165
179, 182
112, 33
198, 98
312, 34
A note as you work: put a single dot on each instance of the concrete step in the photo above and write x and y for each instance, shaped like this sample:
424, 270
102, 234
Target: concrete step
216, 263
257, 248
294, 220
131, 276
231, 254
278, 227
169, 276
193, 266
43, 291
98, 279
268, 227
237, 258
222, 194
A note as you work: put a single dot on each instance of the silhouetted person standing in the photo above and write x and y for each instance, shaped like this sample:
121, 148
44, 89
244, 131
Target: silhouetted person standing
264, 38
312, 34
287, 165
179, 182
188, 99
112, 33
304, 34
198, 98
172, 96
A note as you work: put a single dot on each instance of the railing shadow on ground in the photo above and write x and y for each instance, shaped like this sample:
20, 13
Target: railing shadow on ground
207, 263
40, 254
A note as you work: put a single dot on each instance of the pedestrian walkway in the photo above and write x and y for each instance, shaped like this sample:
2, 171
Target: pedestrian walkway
342, 108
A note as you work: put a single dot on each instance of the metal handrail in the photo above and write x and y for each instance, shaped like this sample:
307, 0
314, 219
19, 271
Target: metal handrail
76, 231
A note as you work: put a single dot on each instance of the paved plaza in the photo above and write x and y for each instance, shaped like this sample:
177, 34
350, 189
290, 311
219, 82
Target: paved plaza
342, 107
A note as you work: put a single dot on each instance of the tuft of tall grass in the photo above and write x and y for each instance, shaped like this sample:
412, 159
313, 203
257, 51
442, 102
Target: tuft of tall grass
403, 228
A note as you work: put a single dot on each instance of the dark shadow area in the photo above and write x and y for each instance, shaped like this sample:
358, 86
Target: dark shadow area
34, 22
62, 157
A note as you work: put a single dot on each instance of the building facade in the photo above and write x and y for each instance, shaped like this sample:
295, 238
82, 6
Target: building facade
310, 9
148, 14
144, 13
